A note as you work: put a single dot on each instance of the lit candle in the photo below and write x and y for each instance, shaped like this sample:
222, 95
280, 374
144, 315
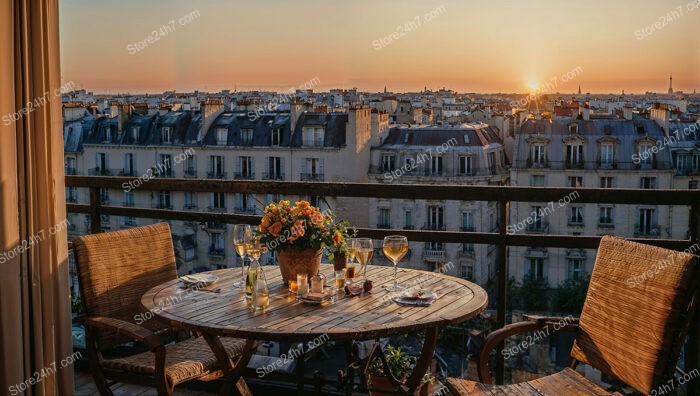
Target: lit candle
293, 286
302, 285
317, 284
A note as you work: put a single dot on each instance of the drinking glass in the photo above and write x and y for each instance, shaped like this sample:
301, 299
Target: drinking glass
352, 253
364, 250
395, 248
242, 234
340, 279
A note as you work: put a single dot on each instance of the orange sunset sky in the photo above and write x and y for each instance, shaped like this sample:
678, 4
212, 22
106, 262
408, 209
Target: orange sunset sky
469, 46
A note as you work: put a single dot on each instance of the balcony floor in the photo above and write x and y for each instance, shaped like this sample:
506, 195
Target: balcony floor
85, 386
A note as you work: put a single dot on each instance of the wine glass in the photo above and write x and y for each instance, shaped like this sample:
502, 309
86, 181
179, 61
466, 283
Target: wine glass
241, 237
351, 249
395, 248
364, 250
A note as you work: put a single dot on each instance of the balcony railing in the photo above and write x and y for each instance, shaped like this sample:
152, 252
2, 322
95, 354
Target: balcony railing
162, 205
592, 165
244, 175
216, 226
311, 177
244, 209
606, 222
647, 230
467, 229
70, 171
541, 227
128, 172
273, 176
433, 227
500, 241
217, 252
189, 173
216, 175
383, 226
434, 255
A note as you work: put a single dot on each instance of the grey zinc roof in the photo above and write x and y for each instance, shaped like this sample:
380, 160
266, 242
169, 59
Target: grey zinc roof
436, 136
627, 132
688, 134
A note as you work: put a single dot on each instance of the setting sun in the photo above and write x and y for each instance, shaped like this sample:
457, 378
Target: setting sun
532, 85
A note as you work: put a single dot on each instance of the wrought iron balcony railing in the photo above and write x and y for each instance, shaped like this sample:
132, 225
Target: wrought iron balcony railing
498, 241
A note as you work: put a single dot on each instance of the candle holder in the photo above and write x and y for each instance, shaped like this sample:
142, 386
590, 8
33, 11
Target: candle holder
302, 285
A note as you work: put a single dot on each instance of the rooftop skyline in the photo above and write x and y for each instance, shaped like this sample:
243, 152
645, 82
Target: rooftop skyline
495, 46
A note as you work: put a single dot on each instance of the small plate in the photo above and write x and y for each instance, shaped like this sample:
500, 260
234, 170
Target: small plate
419, 303
418, 295
313, 302
199, 279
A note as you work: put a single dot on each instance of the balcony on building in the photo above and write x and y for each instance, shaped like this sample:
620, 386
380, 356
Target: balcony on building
538, 227
647, 230
434, 255
273, 176
311, 177
244, 176
216, 226
433, 226
216, 175
128, 172
189, 173
217, 252
244, 209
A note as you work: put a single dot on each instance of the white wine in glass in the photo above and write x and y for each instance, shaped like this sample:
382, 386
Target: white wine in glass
242, 234
364, 250
395, 248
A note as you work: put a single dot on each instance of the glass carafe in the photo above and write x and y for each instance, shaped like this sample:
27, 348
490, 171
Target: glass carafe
261, 295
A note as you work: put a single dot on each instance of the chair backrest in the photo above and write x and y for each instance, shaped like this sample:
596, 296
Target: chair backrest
116, 268
637, 312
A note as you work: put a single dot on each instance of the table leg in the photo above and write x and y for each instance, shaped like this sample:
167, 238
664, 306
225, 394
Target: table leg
423, 364
232, 370
300, 370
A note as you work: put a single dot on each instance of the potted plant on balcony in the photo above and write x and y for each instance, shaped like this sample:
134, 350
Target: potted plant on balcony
297, 233
387, 370
337, 242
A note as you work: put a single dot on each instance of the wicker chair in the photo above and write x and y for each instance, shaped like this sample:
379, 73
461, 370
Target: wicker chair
628, 330
115, 269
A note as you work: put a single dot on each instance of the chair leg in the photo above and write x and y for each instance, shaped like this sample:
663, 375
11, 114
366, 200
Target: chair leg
233, 382
94, 357
162, 385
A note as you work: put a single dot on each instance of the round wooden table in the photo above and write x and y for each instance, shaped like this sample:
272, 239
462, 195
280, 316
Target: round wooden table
368, 316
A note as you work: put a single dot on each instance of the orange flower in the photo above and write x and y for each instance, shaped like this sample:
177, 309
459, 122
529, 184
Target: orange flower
337, 238
264, 223
297, 230
275, 228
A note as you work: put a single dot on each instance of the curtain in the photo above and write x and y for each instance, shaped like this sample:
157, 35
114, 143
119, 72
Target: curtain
34, 293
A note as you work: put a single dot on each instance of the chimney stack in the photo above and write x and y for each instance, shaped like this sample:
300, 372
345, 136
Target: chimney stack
210, 110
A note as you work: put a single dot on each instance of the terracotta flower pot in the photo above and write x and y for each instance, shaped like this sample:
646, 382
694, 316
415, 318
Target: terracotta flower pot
380, 386
339, 262
293, 262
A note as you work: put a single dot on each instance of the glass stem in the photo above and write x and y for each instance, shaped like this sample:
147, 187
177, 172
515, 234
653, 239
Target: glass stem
396, 284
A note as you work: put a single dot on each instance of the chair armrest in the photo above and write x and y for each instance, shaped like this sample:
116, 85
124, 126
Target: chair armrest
532, 323
121, 327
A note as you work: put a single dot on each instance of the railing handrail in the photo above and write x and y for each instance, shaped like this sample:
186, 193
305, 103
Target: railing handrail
390, 190
503, 195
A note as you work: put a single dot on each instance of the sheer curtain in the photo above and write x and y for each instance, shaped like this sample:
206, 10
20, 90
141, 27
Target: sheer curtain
34, 293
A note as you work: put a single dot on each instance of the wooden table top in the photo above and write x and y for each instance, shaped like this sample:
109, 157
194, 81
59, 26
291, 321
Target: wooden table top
368, 316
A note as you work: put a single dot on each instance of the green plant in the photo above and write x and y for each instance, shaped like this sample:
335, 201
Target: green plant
533, 293
336, 238
399, 362
569, 296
